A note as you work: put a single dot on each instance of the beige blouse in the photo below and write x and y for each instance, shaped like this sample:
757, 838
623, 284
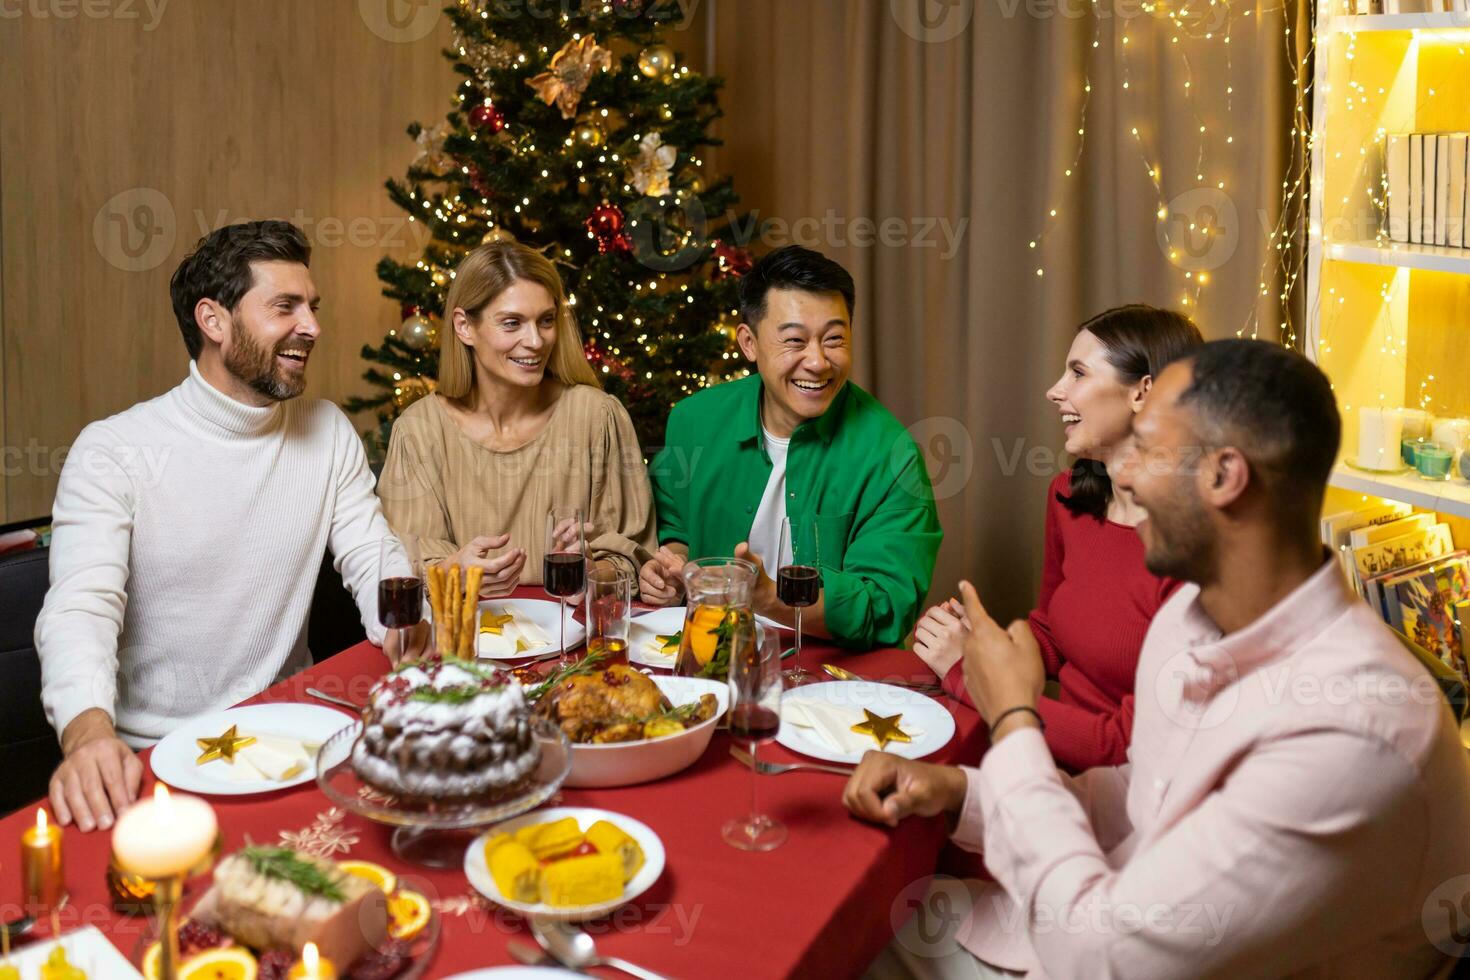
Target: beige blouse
446, 488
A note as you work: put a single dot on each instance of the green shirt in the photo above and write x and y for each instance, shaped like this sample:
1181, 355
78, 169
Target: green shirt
855, 469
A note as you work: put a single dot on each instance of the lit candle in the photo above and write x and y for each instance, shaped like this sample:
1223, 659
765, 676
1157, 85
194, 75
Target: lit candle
40, 861
164, 836
1380, 433
312, 966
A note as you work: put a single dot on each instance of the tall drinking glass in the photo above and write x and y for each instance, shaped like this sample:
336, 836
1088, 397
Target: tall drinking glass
400, 588
755, 718
609, 613
798, 580
564, 569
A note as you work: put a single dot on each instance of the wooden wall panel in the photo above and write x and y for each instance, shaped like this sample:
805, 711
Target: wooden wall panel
197, 112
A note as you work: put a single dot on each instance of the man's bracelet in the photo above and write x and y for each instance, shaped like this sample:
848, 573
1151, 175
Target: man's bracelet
1040, 721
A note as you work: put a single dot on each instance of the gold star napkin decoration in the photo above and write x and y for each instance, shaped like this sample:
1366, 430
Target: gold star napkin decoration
493, 622
223, 747
571, 71
883, 730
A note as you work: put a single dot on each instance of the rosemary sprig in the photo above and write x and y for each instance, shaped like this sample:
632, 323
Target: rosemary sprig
589, 664
284, 864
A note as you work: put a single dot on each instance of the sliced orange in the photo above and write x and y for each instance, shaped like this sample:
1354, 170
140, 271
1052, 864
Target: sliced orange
232, 963
375, 873
152, 960
408, 913
702, 639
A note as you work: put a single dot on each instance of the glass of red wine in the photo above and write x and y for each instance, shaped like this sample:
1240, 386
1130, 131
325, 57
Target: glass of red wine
798, 581
400, 588
564, 569
755, 718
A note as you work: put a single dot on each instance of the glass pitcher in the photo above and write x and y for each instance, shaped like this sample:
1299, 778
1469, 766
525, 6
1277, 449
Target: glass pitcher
718, 595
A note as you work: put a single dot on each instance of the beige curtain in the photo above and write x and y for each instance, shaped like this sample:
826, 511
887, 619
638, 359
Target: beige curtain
924, 143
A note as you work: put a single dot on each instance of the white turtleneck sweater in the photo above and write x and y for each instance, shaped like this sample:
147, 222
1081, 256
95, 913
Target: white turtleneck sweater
187, 536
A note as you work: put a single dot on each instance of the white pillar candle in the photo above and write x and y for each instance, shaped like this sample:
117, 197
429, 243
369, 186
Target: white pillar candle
1380, 430
165, 836
1416, 423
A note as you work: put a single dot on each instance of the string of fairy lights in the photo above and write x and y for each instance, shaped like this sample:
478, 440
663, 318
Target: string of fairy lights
1210, 22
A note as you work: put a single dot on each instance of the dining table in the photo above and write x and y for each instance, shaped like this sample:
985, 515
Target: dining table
822, 904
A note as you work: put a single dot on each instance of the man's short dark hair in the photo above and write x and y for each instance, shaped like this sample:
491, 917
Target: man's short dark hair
792, 267
1273, 405
219, 269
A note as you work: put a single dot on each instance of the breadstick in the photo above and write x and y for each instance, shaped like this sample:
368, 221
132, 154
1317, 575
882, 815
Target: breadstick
468, 634
451, 615
436, 604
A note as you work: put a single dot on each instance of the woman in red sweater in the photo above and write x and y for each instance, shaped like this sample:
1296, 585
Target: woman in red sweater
1097, 599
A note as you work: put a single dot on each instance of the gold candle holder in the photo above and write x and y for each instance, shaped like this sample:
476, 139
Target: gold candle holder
168, 895
131, 894
41, 866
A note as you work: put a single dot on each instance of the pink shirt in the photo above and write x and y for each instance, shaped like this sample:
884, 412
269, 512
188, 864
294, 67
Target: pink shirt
1296, 802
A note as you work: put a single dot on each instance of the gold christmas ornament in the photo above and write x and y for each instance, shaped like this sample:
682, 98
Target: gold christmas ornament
656, 61
650, 171
410, 390
589, 134
439, 277
666, 112
570, 72
883, 730
418, 332
223, 747
694, 181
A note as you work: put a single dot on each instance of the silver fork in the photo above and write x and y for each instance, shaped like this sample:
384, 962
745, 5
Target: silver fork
776, 768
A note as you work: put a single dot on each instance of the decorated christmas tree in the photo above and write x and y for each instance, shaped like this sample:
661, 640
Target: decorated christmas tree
577, 132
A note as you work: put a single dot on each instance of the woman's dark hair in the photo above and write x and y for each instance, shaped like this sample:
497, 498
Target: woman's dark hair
1138, 341
219, 269
792, 267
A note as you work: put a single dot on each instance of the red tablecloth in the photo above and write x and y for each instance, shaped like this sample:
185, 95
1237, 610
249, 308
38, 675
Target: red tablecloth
822, 904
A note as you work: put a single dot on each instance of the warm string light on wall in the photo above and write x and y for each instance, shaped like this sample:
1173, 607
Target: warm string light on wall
1191, 21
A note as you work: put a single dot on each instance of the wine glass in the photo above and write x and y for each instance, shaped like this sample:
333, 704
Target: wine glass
755, 717
609, 613
564, 569
400, 588
798, 580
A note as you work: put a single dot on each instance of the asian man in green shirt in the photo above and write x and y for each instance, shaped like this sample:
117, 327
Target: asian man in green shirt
798, 438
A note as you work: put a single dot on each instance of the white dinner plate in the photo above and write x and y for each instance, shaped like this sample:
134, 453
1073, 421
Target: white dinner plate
541, 612
173, 758
478, 871
86, 949
519, 973
919, 712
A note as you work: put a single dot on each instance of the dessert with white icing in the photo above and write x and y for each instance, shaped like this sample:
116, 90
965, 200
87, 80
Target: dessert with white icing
446, 732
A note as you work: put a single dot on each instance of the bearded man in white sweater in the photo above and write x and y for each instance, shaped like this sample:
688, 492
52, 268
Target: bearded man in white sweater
188, 530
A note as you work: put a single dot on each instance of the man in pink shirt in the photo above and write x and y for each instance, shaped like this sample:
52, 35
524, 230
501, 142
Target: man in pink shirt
1296, 801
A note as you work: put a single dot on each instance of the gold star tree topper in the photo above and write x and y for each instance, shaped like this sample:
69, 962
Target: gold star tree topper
570, 73
882, 729
223, 747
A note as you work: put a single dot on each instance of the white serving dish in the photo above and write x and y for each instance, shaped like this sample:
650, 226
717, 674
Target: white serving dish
628, 763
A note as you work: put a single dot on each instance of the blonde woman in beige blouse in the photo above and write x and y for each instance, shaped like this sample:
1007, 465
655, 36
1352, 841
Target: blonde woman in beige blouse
518, 424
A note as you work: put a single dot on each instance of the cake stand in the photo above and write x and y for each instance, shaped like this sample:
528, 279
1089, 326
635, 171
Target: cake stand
432, 834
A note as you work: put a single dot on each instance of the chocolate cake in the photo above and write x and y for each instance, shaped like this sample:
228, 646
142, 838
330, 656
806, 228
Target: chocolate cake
446, 732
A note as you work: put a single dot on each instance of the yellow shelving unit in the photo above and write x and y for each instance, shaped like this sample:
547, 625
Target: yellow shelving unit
1388, 322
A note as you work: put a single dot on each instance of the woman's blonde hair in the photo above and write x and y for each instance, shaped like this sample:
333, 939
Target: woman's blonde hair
484, 274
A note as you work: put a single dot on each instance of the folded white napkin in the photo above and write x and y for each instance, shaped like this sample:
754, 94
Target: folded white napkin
832, 724
653, 647
269, 757
517, 636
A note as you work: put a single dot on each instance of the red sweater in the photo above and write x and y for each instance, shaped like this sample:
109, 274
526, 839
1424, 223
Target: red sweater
1097, 600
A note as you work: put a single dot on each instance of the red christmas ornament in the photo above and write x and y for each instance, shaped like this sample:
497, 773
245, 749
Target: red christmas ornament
487, 117
606, 224
731, 261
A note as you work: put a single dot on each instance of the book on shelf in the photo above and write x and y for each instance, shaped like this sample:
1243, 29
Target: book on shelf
1426, 191
1459, 163
1462, 621
1423, 602
1336, 528
1360, 536
1441, 189
1396, 554
1416, 188
1396, 168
